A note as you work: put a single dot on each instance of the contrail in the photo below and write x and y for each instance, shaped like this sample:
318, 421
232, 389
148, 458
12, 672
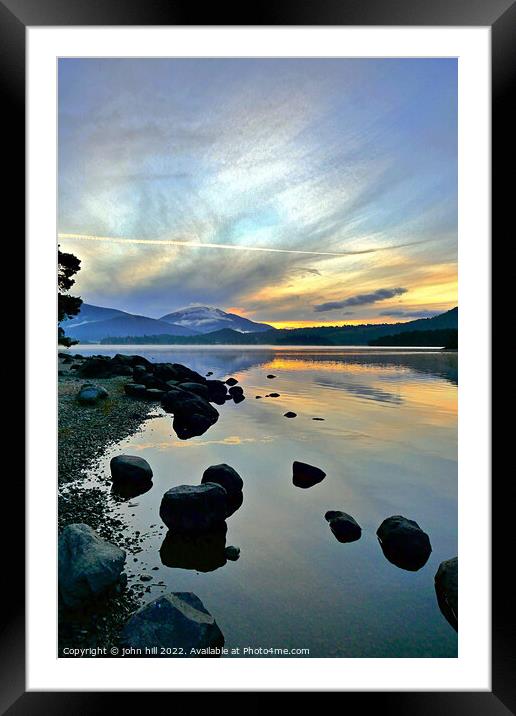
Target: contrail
231, 247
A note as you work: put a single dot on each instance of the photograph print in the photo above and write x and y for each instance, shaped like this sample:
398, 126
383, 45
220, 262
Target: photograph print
257, 358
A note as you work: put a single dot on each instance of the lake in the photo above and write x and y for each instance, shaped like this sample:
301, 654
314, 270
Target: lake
388, 445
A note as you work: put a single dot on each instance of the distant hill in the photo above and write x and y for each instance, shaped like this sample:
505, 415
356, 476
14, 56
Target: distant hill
317, 336
94, 323
204, 319
441, 338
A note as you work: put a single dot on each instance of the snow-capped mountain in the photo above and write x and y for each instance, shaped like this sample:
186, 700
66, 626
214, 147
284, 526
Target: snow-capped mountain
205, 319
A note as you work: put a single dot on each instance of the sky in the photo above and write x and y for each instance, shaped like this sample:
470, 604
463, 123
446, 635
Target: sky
296, 192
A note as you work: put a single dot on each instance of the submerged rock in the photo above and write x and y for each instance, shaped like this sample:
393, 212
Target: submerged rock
304, 475
404, 543
447, 590
202, 552
194, 508
344, 526
176, 624
91, 395
88, 565
130, 470
226, 476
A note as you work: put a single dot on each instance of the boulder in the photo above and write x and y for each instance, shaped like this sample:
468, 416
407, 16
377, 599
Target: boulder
304, 475
232, 553
344, 527
177, 625
89, 566
91, 394
193, 415
135, 390
96, 367
197, 388
202, 552
217, 391
231, 381
138, 371
404, 543
236, 392
447, 590
226, 476
154, 394
130, 470
194, 508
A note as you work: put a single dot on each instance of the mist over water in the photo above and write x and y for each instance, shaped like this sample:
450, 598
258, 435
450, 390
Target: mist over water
388, 446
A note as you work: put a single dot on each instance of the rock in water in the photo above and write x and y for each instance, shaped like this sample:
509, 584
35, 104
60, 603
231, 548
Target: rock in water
404, 543
447, 590
232, 553
130, 470
273, 395
271, 376
217, 391
193, 415
231, 381
290, 414
225, 476
178, 624
91, 394
203, 551
237, 393
197, 388
304, 475
88, 565
344, 527
194, 508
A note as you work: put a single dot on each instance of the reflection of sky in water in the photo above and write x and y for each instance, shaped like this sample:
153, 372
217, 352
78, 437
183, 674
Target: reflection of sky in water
388, 445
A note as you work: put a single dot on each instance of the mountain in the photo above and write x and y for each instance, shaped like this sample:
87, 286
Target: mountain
360, 335
94, 323
439, 337
204, 319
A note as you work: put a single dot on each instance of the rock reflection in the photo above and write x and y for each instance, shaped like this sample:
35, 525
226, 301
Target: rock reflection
203, 552
126, 491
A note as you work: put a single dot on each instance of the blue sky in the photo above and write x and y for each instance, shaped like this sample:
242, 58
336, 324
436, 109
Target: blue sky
297, 192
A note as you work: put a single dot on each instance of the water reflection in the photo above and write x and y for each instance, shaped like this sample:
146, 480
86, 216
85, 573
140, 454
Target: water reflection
201, 552
128, 491
387, 439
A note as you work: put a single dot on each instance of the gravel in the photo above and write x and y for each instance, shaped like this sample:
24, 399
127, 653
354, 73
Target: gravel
84, 434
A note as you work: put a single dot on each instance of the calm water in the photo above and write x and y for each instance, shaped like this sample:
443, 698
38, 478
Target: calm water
388, 444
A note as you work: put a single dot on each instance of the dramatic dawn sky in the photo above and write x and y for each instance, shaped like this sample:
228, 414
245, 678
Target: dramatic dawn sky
296, 192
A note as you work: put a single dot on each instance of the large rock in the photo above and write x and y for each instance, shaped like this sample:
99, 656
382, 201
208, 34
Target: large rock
96, 367
196, 388
135, 390
91, 394
130, 470
194, 508
237, 393
217, 391
176, 371
305, 475
344, 526
404, 543
177, 624
193, 415
447, 590
88, 565
201, 551
226, 476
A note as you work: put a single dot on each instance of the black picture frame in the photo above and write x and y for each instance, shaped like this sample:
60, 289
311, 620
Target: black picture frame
500, 16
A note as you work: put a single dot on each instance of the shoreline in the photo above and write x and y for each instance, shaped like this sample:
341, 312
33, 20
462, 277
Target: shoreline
84, 435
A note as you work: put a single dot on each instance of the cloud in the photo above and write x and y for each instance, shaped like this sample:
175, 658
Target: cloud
362, 299
409, 314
